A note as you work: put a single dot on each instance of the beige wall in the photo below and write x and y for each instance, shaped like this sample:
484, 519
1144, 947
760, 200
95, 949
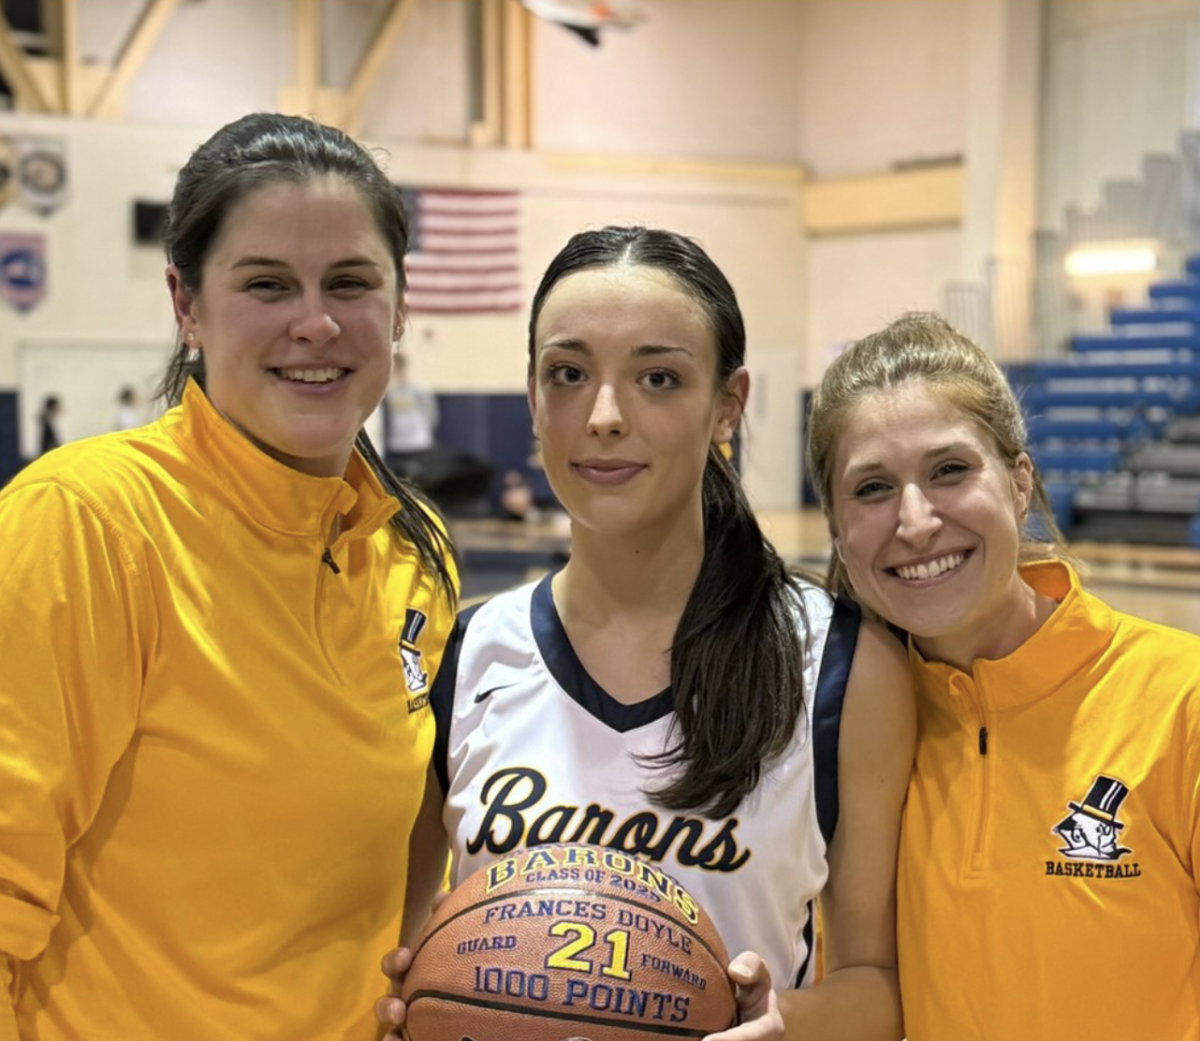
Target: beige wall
750, 93
107, 292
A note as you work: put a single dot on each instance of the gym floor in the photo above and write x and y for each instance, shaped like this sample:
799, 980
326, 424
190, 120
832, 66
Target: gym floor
1154, 582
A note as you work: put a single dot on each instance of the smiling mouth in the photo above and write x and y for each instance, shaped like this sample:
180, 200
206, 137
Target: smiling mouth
310, 375
929, 569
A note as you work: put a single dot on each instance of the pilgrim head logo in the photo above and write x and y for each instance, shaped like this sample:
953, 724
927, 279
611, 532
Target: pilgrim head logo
1091, 830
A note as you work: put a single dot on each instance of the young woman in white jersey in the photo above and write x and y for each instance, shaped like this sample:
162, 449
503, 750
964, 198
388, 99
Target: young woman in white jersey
673, 692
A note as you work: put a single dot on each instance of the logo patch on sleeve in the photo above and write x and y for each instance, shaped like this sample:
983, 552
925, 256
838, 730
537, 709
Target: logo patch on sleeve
416, 676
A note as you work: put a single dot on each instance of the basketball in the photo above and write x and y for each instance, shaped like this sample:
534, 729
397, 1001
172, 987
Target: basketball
568, 941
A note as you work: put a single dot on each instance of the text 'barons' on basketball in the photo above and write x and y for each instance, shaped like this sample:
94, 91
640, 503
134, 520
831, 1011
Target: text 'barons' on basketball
568, 941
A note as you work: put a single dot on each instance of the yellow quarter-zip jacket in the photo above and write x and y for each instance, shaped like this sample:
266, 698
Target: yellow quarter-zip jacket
1048, 868
214, 733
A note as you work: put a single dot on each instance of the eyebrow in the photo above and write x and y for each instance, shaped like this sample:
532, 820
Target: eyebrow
648, 350
933, 453
271, 262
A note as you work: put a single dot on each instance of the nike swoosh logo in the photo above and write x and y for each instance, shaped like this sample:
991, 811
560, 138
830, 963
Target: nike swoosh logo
484, 695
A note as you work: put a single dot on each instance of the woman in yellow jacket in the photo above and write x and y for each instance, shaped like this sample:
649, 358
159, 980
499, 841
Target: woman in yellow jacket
217, 636
1049, 854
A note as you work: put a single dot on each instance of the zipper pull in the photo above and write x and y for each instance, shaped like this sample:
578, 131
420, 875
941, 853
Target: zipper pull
983, 740
327, 558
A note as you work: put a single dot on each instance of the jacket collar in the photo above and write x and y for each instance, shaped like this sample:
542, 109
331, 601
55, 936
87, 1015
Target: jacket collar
269, 492
1075, 635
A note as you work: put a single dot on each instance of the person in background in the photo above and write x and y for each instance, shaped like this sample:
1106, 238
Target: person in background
673, 691
49, 437
218, 634
129, 412
410, 420
1051, 842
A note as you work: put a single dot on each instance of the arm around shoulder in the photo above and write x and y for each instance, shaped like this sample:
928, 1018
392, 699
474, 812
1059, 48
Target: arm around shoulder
858, 996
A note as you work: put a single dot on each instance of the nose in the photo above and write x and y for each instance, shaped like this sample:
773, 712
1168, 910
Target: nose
606, 417
313, 324
918, 521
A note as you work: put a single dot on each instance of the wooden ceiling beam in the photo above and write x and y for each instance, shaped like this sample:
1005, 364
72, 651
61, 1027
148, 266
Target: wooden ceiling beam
138, 44
15, 67
372, 62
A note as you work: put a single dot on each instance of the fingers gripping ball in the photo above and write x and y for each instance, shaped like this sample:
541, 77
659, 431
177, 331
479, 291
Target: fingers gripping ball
568, 941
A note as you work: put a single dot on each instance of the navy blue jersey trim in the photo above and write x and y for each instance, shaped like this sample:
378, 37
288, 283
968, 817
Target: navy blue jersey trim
441, 695
569, 673
836, 660
809, 941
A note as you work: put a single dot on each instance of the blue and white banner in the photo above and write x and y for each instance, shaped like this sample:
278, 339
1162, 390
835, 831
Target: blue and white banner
22, 270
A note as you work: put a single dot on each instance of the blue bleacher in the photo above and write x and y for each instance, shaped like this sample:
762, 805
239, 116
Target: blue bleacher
1039, 398
1041, 429
1185, 290
1077, 460
1083, 369
1122, 316
1138, 342
1090, 416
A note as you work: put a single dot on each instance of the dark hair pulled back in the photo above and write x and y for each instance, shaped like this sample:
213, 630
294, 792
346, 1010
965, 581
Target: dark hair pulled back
736, 659
253, 152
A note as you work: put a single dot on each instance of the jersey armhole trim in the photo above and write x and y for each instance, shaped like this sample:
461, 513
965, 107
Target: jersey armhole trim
828, 700
441, 696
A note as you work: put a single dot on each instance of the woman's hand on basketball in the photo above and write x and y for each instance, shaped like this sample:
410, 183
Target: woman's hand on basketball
390, 1010
759, 1018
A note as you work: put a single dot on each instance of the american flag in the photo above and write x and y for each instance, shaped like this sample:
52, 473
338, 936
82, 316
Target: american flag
463, 256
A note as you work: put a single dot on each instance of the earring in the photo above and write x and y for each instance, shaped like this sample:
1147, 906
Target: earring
191, 337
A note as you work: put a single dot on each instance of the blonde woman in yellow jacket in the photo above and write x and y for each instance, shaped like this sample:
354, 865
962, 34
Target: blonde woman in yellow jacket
217, 636
1048, 867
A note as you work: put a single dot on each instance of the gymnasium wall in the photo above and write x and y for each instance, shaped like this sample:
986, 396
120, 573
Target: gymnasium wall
106, 295
710, 118
1121, 80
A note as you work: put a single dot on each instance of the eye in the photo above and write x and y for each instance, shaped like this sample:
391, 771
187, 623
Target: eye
872, 489
950, 468
349, 284
661, 379
266, 284
565, 375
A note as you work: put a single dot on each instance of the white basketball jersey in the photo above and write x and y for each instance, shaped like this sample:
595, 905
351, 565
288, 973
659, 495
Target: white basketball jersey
531, 750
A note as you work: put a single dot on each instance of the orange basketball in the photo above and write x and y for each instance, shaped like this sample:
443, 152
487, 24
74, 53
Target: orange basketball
568, 941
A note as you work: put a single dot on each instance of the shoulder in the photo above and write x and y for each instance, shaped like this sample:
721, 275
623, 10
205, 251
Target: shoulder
79, 503
105, 475
813, 612
497, 619
808, 599
1141, 637
488, 626
880, 717
1155, 661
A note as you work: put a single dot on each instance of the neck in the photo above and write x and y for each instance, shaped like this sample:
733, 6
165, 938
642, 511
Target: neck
645, 579
1024, 612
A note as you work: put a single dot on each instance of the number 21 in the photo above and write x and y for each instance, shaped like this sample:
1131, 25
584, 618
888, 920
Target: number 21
584, 937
